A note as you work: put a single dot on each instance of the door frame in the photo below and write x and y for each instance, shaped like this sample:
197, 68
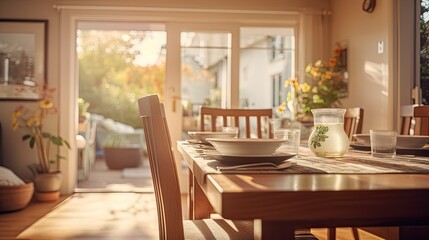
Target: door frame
184, 20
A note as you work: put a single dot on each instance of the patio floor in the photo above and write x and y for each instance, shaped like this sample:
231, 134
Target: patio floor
103, 179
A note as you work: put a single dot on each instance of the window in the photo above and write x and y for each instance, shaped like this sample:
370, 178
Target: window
277, 47
267, 59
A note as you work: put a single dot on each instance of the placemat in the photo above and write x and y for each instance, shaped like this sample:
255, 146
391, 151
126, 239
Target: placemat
351, 163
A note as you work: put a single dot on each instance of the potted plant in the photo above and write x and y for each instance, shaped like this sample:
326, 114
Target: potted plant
119, 153
323, 87
47, 175
83, 109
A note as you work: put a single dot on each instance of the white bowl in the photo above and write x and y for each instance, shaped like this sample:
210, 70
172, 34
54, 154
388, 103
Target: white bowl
402, 141
202, 136
246, 146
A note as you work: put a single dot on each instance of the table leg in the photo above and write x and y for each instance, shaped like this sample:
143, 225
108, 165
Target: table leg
202, 207
191, 195
332, 233
273, 230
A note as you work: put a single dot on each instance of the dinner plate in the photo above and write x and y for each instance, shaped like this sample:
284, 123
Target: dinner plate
405, 151
234, 160
246, 146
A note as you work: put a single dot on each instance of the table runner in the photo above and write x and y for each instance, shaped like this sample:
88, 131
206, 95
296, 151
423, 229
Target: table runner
353, 162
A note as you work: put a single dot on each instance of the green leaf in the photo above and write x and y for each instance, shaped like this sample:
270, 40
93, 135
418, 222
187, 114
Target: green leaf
319, 136
46, 135
32, 142
57, 140
67, 144
26, 137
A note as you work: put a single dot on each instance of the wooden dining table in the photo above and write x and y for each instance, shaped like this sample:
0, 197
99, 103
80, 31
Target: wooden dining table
356, 190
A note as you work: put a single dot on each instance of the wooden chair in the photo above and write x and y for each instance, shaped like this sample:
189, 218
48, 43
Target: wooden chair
166, 185
407, 120
353, 121
421, 116
234, 117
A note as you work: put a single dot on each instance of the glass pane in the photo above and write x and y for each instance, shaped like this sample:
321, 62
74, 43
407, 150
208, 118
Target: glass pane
116, 67
267, 58
118, 63
205, 73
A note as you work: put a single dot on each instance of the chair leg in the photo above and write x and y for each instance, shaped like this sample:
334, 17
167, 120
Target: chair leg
332, 234
355, 233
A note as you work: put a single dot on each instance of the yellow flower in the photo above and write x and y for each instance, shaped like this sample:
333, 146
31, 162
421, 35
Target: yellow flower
282, 108
328, 75
33, 121
46, 104
305, 87
15, 125
290, 81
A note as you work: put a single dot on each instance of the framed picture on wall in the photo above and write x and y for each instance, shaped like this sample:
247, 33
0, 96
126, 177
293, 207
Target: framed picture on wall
23, 57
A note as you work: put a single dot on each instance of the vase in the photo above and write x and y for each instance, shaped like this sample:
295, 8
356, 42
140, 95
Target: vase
328, 138
47, 186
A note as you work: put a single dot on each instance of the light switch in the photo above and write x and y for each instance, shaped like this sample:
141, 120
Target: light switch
380, 47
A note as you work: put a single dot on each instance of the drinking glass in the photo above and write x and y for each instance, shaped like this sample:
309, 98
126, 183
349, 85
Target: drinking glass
292, 137
383, 143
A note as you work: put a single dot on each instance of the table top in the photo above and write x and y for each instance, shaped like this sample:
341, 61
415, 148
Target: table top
312, 199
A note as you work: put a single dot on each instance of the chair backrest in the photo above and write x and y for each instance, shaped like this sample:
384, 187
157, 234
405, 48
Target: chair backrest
353, 121
421, 116
407, 120
232, 117
163, 167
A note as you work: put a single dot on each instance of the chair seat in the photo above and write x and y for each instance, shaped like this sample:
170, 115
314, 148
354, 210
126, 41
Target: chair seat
228, 229
224, 229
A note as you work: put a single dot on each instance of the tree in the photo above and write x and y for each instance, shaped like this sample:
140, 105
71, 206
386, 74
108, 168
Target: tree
108, 78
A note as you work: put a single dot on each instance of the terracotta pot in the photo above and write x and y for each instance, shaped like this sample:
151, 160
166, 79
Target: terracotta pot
122, 157
47, 196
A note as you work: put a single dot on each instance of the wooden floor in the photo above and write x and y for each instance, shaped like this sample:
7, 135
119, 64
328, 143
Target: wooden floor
13, 223
102, 179
97, 195
69, 219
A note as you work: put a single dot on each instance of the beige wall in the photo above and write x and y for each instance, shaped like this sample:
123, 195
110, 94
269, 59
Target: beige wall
370, 85
16, 154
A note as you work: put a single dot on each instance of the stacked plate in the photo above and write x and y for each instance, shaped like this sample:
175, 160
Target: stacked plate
200, 137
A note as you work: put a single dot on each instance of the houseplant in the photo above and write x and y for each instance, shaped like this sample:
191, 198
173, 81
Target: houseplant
323, 86
47, 175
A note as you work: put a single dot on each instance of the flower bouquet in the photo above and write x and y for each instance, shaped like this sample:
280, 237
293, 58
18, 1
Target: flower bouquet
325, 84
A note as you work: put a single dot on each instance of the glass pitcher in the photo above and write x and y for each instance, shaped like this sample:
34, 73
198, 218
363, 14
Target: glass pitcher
328, 138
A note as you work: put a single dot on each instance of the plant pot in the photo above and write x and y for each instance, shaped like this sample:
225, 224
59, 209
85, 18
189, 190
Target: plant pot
122, 157
48, 182
47, 196
47, 186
